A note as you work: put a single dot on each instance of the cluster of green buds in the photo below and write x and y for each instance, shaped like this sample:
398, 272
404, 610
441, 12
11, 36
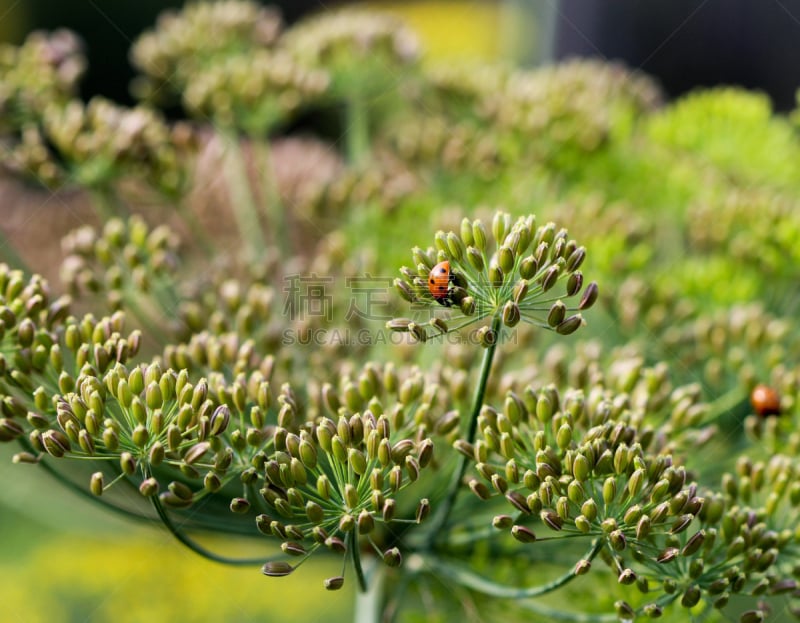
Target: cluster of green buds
547, 114
253, 92
337, 480
574, 467
180, 48
101, 142
456, 90
717, 127
243, 80
153, 427
46, 352
122, 263
733, 345
433, 140
354, 46
340, 483
517, 277
41, 72
745, 223
230, 306
574, 105
746, 531
384, 186
30, 321
651, 400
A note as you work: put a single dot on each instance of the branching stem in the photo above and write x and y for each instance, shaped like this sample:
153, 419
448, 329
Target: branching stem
474, 581
443, 513
199, 549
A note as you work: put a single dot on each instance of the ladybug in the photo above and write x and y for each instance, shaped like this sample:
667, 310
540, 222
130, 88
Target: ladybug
765, 400
439, 281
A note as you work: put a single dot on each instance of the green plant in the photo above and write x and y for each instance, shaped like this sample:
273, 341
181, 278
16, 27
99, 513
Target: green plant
482, 449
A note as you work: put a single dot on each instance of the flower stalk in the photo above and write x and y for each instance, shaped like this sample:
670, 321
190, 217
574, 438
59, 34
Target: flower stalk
485, 586
443, 513
243, 203
194, 546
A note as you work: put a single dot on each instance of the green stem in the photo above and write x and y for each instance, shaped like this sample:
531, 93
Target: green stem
555, 614
199, 549
442, 514
274, 206
724, 404
106, 205
355, 554
243, 204
369, 603
149, 324
198, 233
357, 128
75, 488
476, 582
9, 255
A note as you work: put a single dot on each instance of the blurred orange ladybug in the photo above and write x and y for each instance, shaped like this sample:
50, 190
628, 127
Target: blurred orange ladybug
765, 400
439, 280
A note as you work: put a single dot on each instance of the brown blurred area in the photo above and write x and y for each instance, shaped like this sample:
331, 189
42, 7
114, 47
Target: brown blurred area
34, 220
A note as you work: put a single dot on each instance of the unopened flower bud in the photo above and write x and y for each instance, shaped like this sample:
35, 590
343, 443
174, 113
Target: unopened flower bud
523, 534
570, 325
511, 314
96, 484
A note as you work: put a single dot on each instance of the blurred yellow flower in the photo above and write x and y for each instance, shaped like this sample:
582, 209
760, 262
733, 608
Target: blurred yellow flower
152, 578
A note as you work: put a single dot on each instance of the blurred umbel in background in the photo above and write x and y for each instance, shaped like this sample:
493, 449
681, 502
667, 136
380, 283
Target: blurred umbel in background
108, 29
684, 43
475, 29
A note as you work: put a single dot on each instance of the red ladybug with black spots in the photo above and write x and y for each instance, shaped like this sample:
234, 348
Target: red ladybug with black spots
440, 282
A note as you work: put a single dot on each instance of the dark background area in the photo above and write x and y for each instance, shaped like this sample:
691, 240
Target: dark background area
688, 43
685, 43
109, 28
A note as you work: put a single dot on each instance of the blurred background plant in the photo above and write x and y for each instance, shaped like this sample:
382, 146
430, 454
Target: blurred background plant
209, 337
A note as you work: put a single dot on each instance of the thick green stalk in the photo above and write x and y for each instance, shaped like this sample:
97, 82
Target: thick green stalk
723, 405
355, 554
369, 603
276, 212
357, 128
106, 204
199, 236
443, 513
150, 324
243, 204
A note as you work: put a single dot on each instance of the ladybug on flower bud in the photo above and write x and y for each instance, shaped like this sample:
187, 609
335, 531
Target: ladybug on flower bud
765, 400
445, 285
